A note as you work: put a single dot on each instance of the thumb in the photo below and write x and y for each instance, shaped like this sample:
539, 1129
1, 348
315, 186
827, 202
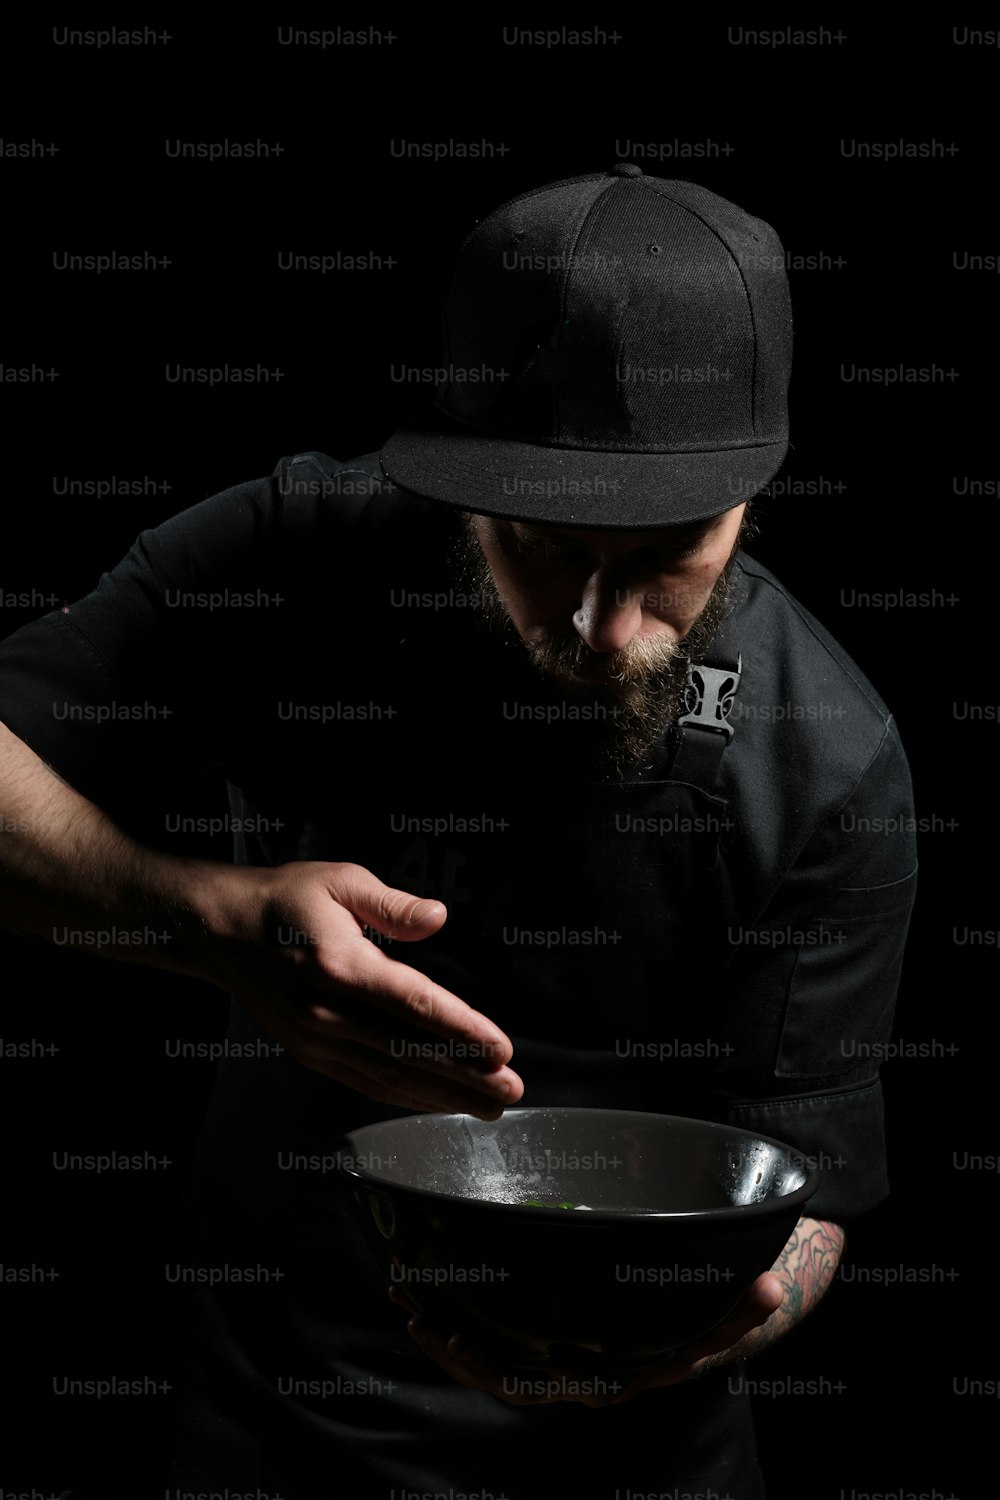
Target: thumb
394, 913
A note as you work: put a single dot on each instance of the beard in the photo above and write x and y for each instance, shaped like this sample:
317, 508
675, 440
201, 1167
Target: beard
642, 689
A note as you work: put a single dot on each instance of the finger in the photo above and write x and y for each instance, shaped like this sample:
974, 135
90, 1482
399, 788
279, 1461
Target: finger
401, 1300
435, 1084
333, 914
321, 1047
317, 1035
761, 1301
328, 1032
763, 1298
366, 973
434, 1343
466, 1361
391, 911
399, 1087
769, 1291
592, 1383
521, 1387
477, 1370
340, 960
371, 1073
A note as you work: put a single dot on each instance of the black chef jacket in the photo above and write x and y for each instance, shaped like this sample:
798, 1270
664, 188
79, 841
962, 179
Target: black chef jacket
737, 949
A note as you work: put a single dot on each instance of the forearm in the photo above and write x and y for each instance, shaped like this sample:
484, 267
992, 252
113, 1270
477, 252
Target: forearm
805, 1268
70, 875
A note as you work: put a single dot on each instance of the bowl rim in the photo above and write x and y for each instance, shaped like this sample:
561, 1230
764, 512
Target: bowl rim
347, 1143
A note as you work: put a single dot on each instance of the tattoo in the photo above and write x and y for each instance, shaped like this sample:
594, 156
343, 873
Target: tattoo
805, 1268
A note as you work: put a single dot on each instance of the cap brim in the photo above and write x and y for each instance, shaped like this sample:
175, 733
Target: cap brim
440, 459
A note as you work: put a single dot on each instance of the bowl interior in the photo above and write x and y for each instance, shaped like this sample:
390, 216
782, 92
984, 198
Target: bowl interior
615, 1161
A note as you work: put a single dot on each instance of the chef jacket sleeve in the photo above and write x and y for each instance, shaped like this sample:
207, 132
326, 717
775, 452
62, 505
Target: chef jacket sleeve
131, 679
157, 668
809, 1000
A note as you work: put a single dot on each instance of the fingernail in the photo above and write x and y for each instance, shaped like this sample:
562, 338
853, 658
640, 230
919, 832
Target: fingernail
421, 910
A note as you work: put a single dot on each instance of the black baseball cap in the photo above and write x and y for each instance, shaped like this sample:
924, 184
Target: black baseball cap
617, 351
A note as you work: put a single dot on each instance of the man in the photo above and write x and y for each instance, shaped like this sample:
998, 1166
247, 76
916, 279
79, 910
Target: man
523, 705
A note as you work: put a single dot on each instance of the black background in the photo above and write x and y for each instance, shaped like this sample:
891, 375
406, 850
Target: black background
869, 501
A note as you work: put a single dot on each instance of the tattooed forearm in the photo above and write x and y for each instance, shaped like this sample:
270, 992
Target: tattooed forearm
805, 1268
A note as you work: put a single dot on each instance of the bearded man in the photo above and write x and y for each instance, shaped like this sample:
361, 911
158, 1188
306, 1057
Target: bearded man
527, 758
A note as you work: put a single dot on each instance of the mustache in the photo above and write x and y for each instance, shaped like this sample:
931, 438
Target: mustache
638, 662
645, 683
646, 666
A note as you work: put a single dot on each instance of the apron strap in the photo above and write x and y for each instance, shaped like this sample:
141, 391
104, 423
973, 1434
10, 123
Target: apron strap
705, 730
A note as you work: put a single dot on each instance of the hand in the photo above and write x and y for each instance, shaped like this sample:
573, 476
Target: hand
287, 943
572, 1380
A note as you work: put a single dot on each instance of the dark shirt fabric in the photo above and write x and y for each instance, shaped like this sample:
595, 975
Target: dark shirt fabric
753, 934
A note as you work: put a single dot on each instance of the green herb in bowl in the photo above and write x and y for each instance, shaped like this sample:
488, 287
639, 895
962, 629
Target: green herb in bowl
539, 1203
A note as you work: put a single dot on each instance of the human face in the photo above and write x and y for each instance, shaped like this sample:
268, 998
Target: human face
631, 597
614, 616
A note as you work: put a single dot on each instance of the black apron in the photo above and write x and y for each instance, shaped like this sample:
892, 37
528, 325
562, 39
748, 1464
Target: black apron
615, 886
580, 913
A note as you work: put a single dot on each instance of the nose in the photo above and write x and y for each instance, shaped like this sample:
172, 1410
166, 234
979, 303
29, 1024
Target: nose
610, 613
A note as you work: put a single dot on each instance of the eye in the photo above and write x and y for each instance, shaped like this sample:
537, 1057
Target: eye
543, 551
677, 554
693, 549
